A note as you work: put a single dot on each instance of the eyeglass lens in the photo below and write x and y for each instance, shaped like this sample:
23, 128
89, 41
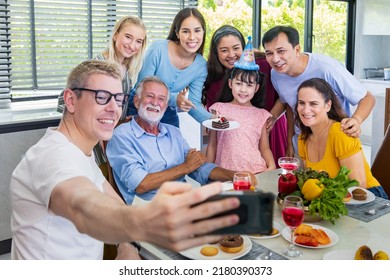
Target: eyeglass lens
103, 97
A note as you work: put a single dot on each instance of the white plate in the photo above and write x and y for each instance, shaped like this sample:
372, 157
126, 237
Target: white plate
275, 225
286, 233
339, 255
194, 253
370, 197
232, 125
227, 186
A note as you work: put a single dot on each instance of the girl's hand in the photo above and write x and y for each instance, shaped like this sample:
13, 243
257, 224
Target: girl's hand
183, 102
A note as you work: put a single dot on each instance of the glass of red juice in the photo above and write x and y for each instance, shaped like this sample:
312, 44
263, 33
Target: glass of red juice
292, 213
288, 164
241, 181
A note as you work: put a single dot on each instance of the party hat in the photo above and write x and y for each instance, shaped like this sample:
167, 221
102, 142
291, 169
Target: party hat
247, 59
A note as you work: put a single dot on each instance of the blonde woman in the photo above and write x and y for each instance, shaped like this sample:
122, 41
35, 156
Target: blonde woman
126, 48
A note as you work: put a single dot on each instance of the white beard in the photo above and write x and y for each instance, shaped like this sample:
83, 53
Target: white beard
152, 118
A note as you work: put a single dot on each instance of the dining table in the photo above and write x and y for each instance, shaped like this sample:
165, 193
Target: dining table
349, 232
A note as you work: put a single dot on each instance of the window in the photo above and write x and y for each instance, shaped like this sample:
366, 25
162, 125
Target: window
330, 29
49, 37
324, 26
4, 55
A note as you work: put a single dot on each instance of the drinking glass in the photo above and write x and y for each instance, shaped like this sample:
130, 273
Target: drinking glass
288, 164
241, 181
292, 213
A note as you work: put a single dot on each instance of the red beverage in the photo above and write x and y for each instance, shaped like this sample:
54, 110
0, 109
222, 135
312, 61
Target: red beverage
242, 185
292, 216
289, 166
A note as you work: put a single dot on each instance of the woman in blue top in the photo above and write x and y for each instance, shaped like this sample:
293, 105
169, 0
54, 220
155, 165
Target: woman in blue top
178, 62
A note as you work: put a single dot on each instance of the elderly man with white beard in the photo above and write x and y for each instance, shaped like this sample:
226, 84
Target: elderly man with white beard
144, 153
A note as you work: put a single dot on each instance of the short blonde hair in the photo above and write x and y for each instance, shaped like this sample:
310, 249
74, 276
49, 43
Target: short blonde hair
80, 75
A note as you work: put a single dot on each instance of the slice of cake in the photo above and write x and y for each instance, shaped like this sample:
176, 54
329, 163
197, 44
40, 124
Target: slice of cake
220, 123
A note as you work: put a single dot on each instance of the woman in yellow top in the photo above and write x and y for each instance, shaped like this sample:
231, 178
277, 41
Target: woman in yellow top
322, 145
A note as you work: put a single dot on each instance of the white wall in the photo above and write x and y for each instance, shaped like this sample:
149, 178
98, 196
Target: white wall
13, 147
371, 50
191, 130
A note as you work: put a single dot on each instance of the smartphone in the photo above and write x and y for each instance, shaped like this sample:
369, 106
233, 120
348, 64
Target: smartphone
255, 212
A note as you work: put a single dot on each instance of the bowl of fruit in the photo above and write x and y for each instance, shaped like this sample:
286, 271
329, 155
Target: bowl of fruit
323, 196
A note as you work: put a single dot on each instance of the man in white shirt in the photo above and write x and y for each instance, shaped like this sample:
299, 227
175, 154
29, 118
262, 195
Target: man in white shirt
63, 207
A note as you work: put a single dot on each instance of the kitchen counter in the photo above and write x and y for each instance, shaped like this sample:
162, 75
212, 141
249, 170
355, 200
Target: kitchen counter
375, 123
377, 86
379, 80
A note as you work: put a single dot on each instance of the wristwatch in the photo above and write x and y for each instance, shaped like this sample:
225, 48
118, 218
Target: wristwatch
137, 245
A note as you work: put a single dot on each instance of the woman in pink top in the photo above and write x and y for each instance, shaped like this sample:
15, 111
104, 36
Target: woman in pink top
246, 147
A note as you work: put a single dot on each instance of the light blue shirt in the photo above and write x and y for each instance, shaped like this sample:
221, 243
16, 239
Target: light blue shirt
347, 88
134, 153
157, 63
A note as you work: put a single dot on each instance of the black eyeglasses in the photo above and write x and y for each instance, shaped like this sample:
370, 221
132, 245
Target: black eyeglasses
102, 97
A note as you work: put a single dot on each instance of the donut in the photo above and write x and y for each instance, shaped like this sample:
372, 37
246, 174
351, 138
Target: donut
359, 194
209, 251
231, 243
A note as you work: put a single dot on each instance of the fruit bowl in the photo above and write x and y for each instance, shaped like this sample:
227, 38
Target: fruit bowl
307, 217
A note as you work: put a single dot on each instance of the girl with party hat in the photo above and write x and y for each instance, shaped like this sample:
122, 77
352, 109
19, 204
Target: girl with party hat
241, 100
226, 47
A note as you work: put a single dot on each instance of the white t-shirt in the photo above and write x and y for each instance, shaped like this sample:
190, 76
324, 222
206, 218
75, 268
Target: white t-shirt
37, 233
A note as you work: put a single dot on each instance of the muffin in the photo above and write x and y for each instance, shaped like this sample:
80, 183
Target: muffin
359, 194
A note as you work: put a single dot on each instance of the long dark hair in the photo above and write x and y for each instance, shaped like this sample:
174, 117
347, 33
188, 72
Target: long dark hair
335, 113
215, 69
178, 20
245, 76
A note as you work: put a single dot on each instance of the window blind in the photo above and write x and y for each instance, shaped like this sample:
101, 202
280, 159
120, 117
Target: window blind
48, 38
4, 56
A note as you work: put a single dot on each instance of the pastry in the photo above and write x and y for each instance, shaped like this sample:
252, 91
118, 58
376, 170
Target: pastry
306, 241
303, 229
209, 251
220, 123
318, 234
231, 243
359, 194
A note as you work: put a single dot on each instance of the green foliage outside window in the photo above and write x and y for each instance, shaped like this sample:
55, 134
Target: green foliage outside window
329, 21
